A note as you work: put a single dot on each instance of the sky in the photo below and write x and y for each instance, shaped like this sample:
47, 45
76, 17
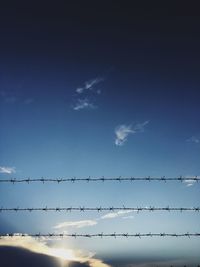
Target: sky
93, 89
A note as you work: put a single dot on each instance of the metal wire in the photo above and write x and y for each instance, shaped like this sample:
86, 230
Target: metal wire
100, 209
101, 179
115, 235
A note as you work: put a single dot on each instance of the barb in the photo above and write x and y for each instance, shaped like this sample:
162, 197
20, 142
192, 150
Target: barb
100, 209
115, 235
100, 179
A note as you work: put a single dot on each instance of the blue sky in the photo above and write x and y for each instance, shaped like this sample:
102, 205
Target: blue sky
119, 97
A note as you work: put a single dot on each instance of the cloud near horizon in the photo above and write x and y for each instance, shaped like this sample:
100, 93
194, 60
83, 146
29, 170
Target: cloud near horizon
41, 246
123, 131
87, 258
7, 170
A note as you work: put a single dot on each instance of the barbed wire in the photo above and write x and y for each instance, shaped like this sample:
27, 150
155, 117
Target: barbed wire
101, 179
101, 209
115, 235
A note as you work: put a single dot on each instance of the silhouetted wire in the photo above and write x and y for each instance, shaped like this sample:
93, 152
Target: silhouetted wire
100, 209
101, 179
115, 235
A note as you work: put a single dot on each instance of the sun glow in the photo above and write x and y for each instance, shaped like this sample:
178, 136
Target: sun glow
64, 254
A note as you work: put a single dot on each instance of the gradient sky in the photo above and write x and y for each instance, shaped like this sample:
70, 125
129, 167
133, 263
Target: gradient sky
101, 89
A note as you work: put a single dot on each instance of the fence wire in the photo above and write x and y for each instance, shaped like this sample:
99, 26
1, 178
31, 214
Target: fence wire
101, 179
100, 209
115, 235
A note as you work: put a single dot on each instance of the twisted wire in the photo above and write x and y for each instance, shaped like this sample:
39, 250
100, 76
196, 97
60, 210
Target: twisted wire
100, 179
100, 209
115, 235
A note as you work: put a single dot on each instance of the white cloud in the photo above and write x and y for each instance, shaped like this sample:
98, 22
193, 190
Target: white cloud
190, 182
83, 104
193, 139
7, 170
139, 127
89, 85
123, 131
42, 247
34, 245
112, 215
75, 224
97, 263
86, 223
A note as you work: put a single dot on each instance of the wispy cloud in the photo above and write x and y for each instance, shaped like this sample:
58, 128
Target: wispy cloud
7, 170
112, 215
87, 223
190, 182
193, 139
87, 90
89, 85
76, 224
42, 247
123, 131
83, 104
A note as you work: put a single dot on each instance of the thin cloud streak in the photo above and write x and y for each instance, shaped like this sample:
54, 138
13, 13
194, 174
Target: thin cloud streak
87, 223
189, 182
83, 104
89, 85
123, 131
75, 224
7, 170
112, 215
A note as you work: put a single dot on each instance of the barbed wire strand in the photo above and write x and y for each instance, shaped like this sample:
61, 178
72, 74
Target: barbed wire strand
100, 209
115, 235
101, 179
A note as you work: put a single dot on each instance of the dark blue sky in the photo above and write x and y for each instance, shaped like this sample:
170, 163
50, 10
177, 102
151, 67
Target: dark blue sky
101, 88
